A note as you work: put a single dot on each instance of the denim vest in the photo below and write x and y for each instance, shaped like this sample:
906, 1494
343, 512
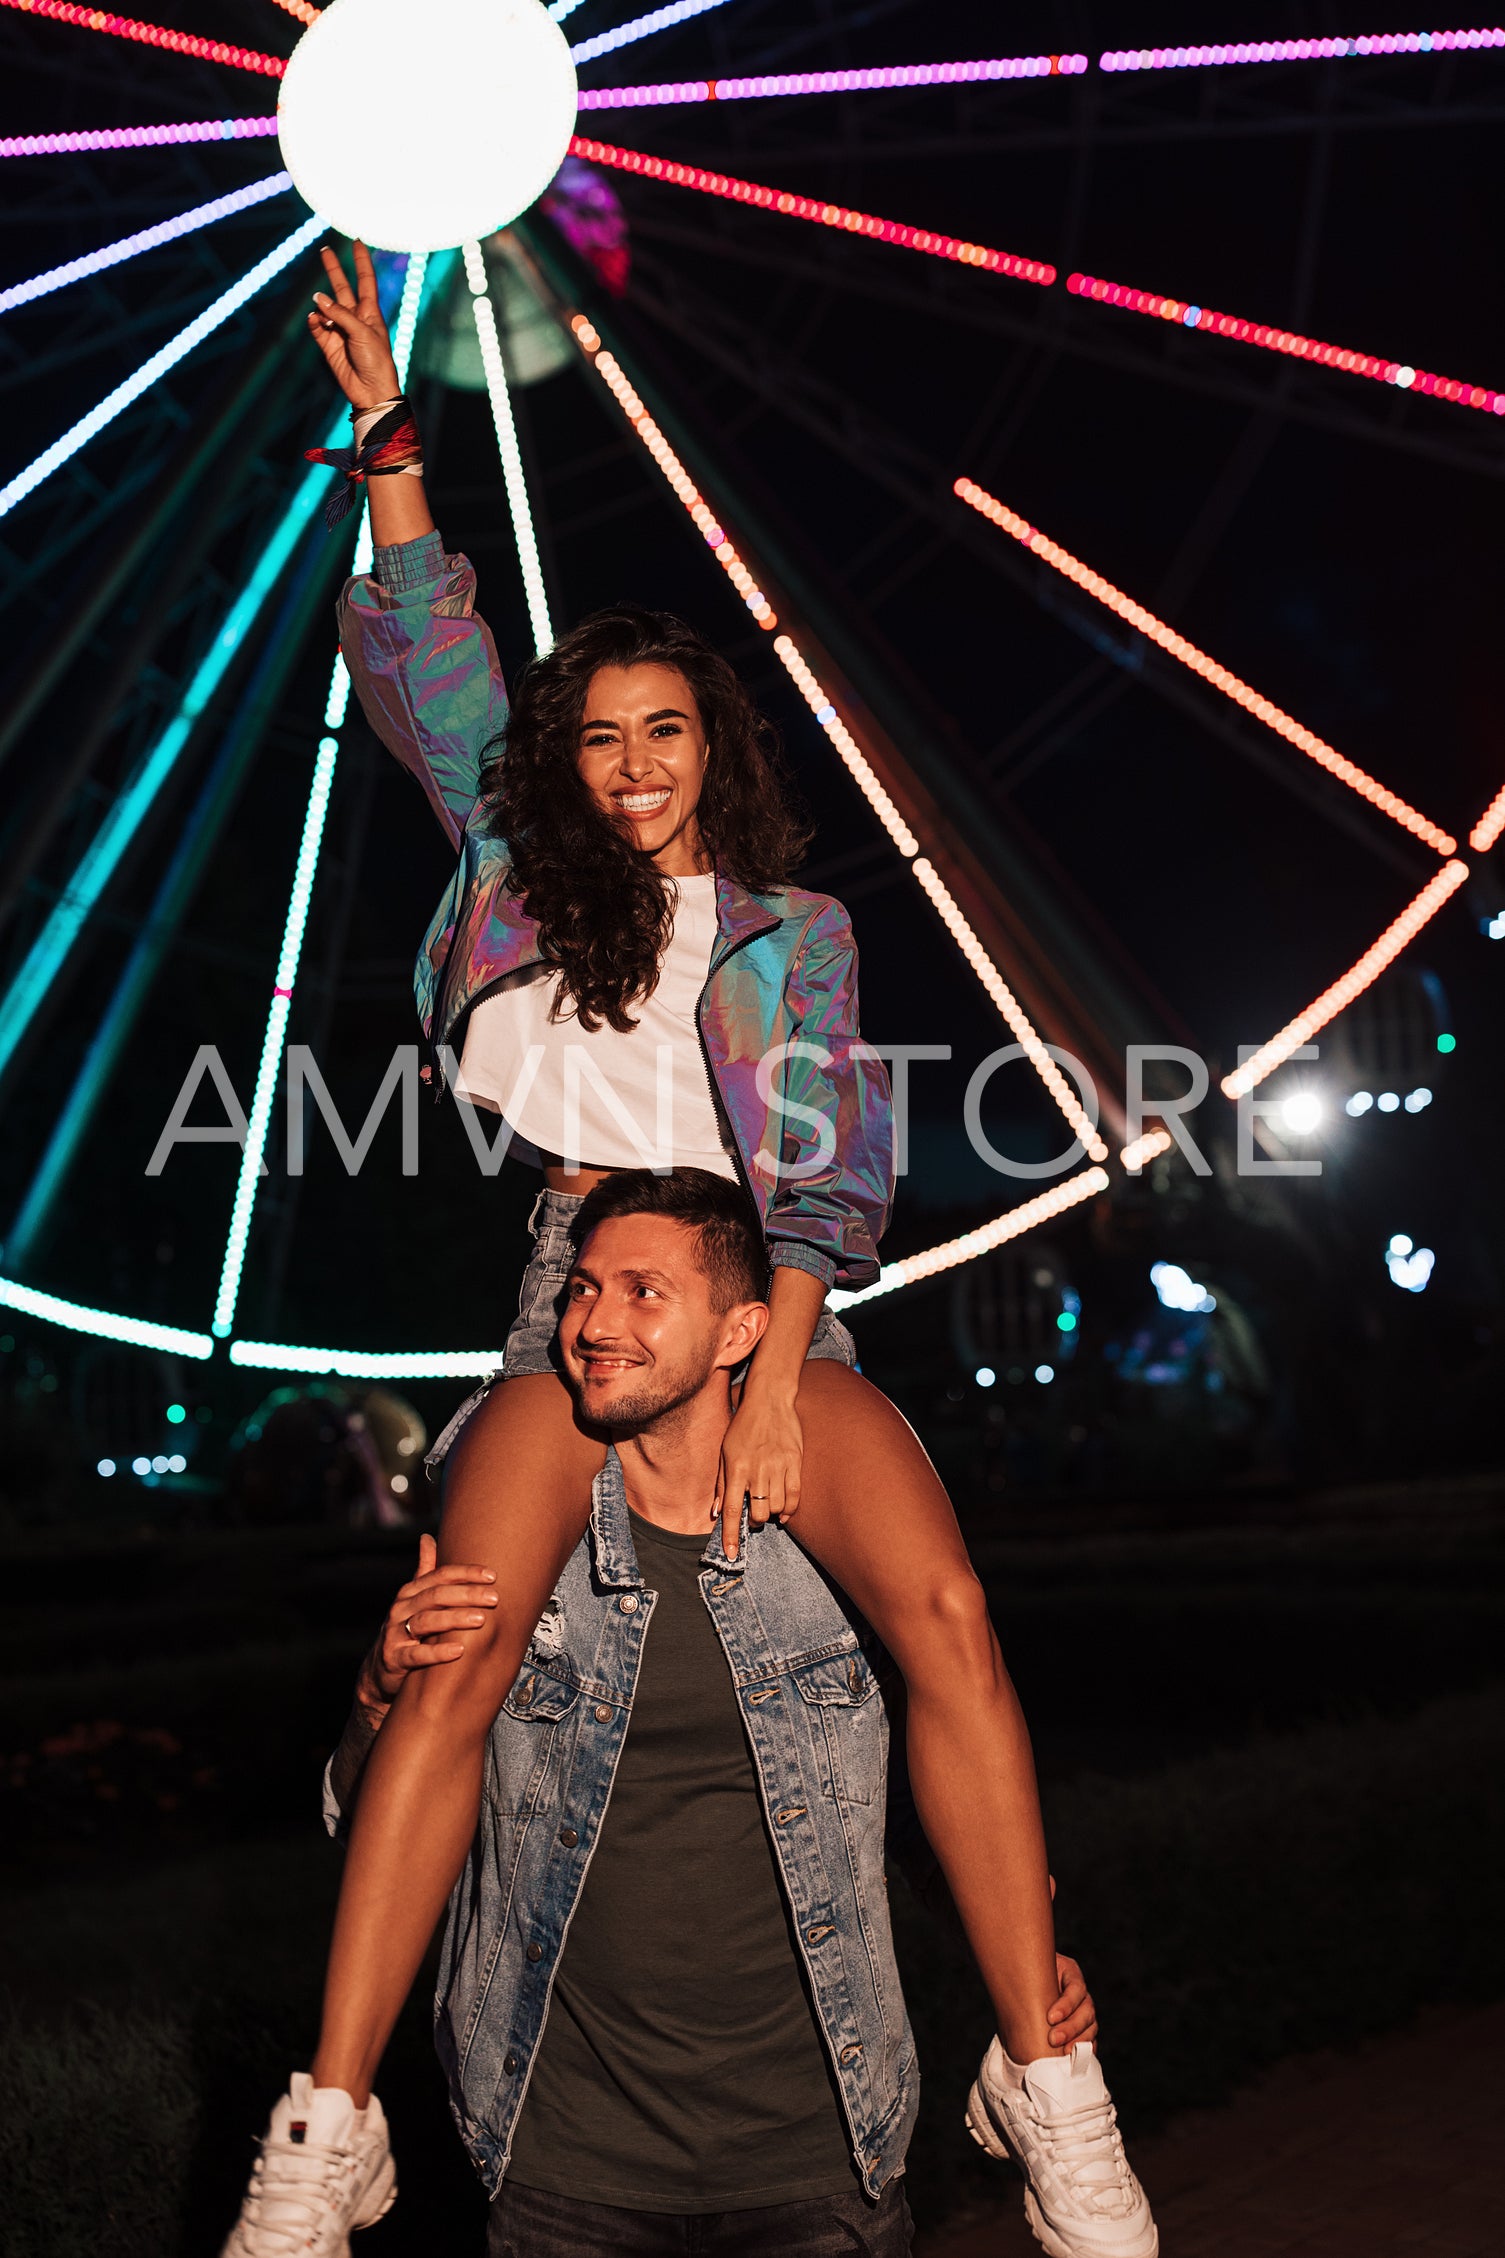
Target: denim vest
818, 1731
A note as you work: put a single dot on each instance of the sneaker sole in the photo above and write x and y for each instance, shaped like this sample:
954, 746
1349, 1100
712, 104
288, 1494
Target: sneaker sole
1051, 2243
382, 2191
980, 2125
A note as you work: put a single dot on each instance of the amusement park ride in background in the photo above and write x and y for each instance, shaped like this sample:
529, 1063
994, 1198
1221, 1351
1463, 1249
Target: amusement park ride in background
504, 258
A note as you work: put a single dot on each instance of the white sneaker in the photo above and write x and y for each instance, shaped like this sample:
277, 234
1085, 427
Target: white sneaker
1056, 2119
325, 2167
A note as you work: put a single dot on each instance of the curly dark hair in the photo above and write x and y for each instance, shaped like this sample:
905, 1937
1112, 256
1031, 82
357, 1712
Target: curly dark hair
603, 911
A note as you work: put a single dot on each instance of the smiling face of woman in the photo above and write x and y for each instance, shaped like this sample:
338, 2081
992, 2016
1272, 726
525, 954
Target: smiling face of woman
642, 755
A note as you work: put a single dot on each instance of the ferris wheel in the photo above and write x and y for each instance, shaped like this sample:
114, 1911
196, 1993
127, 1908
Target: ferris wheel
485, 296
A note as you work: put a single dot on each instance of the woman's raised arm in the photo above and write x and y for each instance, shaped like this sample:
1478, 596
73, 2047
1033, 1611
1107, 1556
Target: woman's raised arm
349, 329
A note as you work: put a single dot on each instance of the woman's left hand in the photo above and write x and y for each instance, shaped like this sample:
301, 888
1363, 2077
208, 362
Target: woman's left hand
761, 1455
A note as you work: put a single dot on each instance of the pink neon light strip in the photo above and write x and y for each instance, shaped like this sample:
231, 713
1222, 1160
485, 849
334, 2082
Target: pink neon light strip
812, 208
830, 82
1297, 50
151, 35
149, 239
137, 136
1220, 677
1287, 341
1490, 824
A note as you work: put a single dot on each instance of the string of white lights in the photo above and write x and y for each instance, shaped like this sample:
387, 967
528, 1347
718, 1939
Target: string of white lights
661, 19
149, 239
912, 1269
513, 476
305, 871
151, 372
363, 1364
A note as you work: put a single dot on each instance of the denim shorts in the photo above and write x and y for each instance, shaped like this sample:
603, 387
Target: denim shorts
532, 1344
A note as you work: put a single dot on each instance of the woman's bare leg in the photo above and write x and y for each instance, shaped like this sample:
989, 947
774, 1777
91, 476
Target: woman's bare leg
517, 1496
874, 1513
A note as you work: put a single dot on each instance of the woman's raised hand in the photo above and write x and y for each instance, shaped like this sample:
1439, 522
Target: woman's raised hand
348, 328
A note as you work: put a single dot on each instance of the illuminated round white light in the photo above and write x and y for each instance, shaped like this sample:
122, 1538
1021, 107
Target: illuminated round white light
1302, 1113
1400, 1244
177, 1464
161, 1464
1387, 1101
1044, 1373
985, 1375
105, 1466
422, 131
1359, 1103
1418, 1101
141, 1465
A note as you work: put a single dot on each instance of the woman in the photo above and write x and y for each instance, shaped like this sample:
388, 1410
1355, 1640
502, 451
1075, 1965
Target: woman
624, 873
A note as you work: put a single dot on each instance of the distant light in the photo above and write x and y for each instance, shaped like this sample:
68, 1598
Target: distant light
1387, 1101
1045, 1373
985, 1375
1302, 1113
1494, 930
161, 1464
1066, 1322
1417, 1100
176, 1415
1409, 1269
1446, 1043
177, 1464
399, 1483
141, 1465
105, 1466
1359, 1103
1178, 1291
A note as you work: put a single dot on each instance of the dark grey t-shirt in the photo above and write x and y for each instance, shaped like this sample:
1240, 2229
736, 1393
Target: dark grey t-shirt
681, 2066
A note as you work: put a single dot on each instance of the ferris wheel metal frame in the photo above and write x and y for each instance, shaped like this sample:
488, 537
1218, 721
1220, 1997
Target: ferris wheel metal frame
934, 834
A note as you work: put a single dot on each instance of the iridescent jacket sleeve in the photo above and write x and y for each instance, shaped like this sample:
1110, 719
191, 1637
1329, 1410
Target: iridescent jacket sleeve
426, 671
834, 1181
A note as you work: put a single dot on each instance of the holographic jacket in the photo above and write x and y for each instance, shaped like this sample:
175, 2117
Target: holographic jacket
807, 1102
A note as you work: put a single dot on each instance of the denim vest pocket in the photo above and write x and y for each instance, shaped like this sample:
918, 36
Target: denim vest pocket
841, 1689
528, 1741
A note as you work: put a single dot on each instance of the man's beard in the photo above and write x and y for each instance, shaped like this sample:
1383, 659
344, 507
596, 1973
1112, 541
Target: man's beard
659, 1394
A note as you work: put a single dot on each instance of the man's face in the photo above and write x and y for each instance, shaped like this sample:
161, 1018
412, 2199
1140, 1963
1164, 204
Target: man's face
639, 1336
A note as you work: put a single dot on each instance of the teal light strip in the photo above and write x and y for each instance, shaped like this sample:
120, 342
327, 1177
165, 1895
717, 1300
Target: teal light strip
306, 870
76, 1317
102, 856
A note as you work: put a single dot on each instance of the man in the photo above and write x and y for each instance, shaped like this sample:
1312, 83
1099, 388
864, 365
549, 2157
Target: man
668, 2008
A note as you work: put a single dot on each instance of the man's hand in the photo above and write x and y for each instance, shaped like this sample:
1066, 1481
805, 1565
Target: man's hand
422, 1624
350, 332
1074, 2015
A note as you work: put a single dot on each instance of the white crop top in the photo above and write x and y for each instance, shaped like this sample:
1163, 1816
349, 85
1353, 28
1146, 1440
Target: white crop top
605, 1100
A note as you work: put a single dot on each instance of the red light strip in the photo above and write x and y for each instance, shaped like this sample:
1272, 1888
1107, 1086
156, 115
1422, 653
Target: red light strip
1288, 341
302, 9
1177, 647
1490, 824
810, 208
1353, 983
151, 35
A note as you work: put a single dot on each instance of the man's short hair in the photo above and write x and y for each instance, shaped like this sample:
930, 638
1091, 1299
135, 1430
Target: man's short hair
728, 1239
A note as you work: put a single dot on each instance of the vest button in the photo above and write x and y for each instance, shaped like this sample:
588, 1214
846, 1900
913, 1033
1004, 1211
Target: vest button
510, 2064
535, 1952
568, 1837
628, 1603
603, 1714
